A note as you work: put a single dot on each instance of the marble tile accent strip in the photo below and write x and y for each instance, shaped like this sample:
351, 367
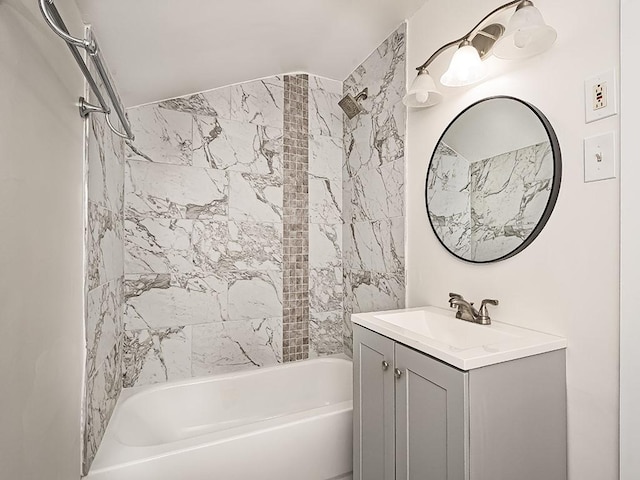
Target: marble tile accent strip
295, 345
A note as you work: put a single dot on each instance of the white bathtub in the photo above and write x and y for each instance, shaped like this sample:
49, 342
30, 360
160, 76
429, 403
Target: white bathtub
292, 421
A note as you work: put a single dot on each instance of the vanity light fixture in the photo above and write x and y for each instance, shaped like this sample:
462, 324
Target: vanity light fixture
526, 35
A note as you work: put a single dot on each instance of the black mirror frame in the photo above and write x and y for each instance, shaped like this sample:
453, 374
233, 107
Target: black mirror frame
555, 186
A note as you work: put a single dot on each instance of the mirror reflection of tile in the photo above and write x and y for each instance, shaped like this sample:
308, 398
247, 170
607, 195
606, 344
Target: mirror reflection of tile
483, 210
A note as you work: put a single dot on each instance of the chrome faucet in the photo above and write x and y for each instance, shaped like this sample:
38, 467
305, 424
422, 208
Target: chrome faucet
466, 311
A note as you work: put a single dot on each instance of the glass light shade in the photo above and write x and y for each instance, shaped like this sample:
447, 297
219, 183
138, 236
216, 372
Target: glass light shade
423, 92
526, 35
465, 68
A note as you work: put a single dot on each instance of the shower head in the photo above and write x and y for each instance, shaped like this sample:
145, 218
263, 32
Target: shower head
350, 105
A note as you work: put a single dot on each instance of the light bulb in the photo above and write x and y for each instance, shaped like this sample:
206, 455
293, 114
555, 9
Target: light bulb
423, 92
521, 39
526, 35
465, 68
422, 97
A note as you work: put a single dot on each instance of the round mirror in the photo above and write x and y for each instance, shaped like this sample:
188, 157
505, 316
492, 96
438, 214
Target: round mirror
493, 180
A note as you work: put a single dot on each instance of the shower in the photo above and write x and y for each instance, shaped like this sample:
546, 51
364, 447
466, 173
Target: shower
350, 105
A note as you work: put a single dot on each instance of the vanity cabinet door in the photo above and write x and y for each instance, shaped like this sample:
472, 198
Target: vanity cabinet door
373, 406
431, 418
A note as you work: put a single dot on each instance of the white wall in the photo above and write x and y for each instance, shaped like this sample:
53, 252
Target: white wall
566, 282
41, 247
629, 240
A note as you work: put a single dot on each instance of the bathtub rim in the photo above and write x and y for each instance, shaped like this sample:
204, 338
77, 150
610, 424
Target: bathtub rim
144, 390
190, 444
148, 453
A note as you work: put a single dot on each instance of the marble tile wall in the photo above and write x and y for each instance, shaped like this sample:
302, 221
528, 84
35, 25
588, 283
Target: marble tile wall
104, 156
325, 217
205, 229
186, 228
203, 234
373, 185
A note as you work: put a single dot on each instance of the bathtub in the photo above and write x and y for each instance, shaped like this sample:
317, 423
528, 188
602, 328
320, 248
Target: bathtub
291, 421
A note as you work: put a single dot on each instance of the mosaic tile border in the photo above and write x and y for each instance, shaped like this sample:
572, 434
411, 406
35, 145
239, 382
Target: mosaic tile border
295, 344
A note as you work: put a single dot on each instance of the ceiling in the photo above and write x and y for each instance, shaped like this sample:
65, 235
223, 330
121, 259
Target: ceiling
159, 49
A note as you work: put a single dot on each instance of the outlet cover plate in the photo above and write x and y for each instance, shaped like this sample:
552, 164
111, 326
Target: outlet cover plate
599, 157
605, 84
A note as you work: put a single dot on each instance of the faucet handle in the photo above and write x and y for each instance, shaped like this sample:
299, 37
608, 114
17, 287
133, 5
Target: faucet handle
488, 301
454, 296
483, 313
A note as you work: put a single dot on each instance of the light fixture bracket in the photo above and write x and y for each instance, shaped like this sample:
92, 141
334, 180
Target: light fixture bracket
484, 40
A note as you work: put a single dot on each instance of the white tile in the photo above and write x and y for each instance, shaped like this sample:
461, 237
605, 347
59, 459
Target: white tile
255, 246
260, 102
172, 191
102, 390
325, 115
155, 356
325, 245
325, 289
162, 135
325, 333
325, 158
255, 295
325, 201
231, 346
164, 300
106, 166
325, 84
377, 291
238, 146
104, 323
255, 198
104, 246
213, 103
158, 245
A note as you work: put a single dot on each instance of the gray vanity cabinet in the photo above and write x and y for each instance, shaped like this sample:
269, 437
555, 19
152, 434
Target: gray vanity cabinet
374, 406
430, 417
418, 418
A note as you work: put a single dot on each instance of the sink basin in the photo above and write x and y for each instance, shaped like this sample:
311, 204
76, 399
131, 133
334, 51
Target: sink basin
446, 329
464, 345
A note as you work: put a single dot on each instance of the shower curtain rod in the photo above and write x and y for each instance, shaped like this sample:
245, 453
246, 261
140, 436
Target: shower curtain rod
53, 19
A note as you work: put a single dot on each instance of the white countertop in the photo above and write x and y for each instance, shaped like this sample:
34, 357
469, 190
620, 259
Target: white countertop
464, 345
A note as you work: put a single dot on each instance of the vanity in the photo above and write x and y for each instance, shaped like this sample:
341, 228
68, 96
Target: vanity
444, 395
438, 398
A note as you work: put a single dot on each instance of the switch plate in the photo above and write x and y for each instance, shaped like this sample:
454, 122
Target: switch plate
600, 96
599, 157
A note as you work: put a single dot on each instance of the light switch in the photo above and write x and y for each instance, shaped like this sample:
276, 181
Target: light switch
599, 157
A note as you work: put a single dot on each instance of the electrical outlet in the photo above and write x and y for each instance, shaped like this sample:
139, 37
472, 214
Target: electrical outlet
600, 96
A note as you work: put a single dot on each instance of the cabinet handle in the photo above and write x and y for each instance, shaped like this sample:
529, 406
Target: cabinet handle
385, 365
397, 372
